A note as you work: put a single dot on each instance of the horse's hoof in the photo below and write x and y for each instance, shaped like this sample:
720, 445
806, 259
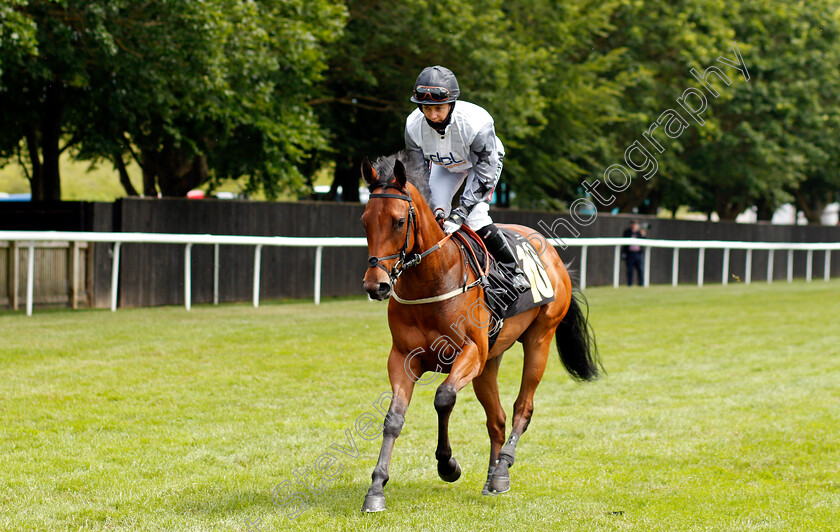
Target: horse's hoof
486, 489
499, 478
499, 484
374, 503
449, 472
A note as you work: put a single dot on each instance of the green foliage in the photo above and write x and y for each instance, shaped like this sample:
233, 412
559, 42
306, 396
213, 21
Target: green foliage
196, 91
527, 63
384, 47
775, 130
578, 96
271, 92
760, 138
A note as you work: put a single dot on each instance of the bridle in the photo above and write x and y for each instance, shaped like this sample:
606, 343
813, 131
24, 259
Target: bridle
406, 260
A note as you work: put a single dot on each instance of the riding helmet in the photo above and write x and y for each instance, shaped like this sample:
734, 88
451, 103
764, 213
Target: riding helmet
435, 85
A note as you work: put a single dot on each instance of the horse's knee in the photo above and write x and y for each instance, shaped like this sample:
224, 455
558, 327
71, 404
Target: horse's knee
393, 424
444, 398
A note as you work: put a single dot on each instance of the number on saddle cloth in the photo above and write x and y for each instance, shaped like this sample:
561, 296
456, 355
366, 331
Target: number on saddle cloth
500, 296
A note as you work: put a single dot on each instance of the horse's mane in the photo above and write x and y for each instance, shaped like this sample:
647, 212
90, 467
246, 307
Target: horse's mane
416, 170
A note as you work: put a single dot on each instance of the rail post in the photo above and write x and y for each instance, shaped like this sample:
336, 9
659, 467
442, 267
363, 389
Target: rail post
809, 265
318, 252
30, 277
701, 259
215, 274
616, 266
770, 253
115, 275
725, 266
583, 254
790, 266
257, 259
827, 267
188, 277
675, 267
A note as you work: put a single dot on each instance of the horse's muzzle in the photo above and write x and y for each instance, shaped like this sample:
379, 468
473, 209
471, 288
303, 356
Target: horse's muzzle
378, 291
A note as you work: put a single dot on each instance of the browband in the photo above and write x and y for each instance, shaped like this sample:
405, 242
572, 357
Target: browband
405, 197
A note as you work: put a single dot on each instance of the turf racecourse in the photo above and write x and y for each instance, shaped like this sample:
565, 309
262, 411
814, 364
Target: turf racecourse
721, 411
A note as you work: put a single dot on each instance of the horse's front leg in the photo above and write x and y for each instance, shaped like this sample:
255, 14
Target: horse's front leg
466, 367
402, 385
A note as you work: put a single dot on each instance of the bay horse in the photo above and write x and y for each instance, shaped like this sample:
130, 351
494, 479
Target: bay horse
435, 297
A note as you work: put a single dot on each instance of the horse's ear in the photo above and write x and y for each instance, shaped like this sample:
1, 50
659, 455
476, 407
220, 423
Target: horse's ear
399, 173
368, 172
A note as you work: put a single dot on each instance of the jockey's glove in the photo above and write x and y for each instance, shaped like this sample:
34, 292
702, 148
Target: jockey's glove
456, 219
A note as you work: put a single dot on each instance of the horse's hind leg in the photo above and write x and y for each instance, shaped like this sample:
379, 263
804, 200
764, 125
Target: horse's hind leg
486, 389
536, 345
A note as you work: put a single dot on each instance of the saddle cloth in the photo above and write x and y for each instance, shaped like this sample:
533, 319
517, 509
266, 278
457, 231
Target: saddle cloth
500, 296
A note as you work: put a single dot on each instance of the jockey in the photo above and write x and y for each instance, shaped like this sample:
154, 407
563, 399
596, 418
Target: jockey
461, 144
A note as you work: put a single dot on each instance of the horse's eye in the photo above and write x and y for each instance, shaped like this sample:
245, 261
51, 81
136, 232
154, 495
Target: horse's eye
400, 222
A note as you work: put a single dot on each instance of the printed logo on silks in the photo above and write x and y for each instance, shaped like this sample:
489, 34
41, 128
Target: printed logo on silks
446, 160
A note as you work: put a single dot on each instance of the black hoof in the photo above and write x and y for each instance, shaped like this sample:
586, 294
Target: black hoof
499, 480
450, 471
486, 490
499, 484
374, 503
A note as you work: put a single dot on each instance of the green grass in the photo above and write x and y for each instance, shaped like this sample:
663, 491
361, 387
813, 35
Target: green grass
82, 181
720, 411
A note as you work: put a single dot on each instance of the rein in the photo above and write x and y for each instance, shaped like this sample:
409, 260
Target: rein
406, 260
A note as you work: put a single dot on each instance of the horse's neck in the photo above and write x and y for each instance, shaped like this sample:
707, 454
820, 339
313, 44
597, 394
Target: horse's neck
432, 271
428, 232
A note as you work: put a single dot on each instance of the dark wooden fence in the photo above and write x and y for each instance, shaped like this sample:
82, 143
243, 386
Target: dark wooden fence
600, 259
152, 274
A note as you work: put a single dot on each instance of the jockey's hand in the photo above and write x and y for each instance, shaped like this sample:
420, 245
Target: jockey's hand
456, 219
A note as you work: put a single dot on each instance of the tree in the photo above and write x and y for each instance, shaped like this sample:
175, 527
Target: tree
763, 141
365, 97
817, 108
663, 40
195, 91
46, 49
579, 93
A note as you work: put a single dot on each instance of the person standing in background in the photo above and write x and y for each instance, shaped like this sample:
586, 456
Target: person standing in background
632, 254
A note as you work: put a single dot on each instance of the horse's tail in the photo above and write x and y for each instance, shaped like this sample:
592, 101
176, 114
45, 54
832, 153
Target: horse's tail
576, 342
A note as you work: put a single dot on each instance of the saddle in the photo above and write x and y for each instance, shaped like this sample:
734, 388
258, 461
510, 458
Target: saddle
501, 298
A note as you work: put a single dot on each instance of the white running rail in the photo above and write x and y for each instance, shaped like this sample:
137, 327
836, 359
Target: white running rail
29, 239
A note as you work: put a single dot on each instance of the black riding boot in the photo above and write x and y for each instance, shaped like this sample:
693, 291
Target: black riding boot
498, 246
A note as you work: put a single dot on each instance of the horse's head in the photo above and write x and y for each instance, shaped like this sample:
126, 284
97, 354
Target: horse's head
388, 219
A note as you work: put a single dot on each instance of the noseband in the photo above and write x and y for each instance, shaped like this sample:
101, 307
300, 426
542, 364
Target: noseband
406, 260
